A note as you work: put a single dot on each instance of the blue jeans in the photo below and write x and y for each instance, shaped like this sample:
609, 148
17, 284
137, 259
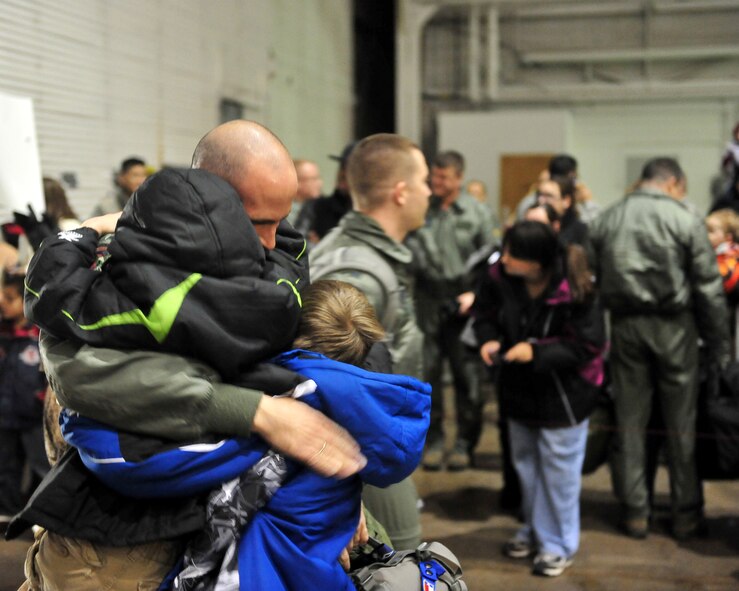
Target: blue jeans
549, 462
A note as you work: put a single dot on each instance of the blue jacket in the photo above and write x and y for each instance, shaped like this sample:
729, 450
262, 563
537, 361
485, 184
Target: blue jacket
295, 541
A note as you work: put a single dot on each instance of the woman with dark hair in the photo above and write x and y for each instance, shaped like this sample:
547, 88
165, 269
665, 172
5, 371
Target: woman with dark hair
57, 206
559, 192
544, 213
539, 321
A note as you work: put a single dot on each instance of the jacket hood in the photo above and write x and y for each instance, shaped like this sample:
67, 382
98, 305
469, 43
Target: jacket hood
364, 229
187, 275
172, 219
387, 414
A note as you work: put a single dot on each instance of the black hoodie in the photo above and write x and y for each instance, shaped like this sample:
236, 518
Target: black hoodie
187, 274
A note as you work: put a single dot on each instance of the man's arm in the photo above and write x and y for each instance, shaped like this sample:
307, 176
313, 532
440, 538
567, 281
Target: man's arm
146, 392
487, 227
177, 398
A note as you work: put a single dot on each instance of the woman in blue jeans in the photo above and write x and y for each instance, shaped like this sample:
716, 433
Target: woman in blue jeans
540, 322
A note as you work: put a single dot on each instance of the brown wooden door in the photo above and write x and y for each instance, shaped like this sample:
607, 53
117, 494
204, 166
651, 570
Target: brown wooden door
518, 173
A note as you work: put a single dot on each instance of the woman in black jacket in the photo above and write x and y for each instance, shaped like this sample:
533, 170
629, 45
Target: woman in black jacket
538, 319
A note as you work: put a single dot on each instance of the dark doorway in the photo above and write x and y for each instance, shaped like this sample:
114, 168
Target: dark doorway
374, 66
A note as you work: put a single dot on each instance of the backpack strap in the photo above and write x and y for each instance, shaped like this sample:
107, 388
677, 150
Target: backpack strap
434, 558
363, 259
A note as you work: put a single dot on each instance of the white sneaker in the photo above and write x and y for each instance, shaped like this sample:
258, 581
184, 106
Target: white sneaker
517, 548
547, 564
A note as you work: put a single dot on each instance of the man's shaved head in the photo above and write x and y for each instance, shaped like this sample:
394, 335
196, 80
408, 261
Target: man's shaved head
239, 149
254, 162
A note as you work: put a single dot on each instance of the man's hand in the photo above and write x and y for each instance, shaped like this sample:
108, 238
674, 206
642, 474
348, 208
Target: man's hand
488, 351
361, 536
465, 301
103, 224
308, 436
519, 353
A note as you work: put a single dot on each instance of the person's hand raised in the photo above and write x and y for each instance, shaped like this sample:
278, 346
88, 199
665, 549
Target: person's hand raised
306, 435
103, 224
519, 353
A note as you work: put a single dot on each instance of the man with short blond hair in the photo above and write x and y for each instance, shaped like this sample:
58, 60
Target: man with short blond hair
387, 177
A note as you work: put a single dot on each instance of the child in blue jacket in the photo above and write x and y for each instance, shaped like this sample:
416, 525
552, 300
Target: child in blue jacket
284, 514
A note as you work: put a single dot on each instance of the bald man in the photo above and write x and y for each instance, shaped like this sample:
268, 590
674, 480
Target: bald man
171, 397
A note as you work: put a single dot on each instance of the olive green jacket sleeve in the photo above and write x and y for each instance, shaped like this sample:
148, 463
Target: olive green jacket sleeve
146, 392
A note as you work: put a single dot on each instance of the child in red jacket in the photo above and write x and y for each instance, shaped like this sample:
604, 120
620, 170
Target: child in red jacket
723, 229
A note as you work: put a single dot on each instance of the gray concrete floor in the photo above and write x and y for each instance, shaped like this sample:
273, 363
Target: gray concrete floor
461, 510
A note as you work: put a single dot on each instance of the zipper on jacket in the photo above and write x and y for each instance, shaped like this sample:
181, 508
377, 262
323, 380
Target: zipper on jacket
555, 377
565, 400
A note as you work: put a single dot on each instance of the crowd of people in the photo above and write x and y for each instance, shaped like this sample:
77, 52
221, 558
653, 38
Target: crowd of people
279, 358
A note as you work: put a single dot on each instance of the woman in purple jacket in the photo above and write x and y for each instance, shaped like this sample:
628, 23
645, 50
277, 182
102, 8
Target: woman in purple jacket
540, 323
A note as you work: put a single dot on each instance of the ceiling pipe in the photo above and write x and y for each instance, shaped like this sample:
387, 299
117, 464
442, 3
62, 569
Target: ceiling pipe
627, 55
626, 92
570, 11
473, 65
493, 55
695, 6
556, 9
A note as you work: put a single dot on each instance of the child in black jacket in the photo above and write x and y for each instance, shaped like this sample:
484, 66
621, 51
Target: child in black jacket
22, 387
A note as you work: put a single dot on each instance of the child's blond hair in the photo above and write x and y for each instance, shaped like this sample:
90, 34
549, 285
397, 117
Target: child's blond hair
728, 221
338, 321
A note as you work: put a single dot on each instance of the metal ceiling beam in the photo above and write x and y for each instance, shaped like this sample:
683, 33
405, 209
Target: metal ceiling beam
627, 55
695, 5
574, 10
605, 92
473, 64
493, 56
565, 8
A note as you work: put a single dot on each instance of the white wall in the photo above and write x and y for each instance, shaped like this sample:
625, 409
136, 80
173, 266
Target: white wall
605, 136
310, 101
114, 78
483, 137
601, 137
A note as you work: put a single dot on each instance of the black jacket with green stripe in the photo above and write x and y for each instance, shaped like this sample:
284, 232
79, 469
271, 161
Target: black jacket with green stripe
187, 274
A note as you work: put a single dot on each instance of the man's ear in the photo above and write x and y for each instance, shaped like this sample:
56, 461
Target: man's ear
400, 193
672, 187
